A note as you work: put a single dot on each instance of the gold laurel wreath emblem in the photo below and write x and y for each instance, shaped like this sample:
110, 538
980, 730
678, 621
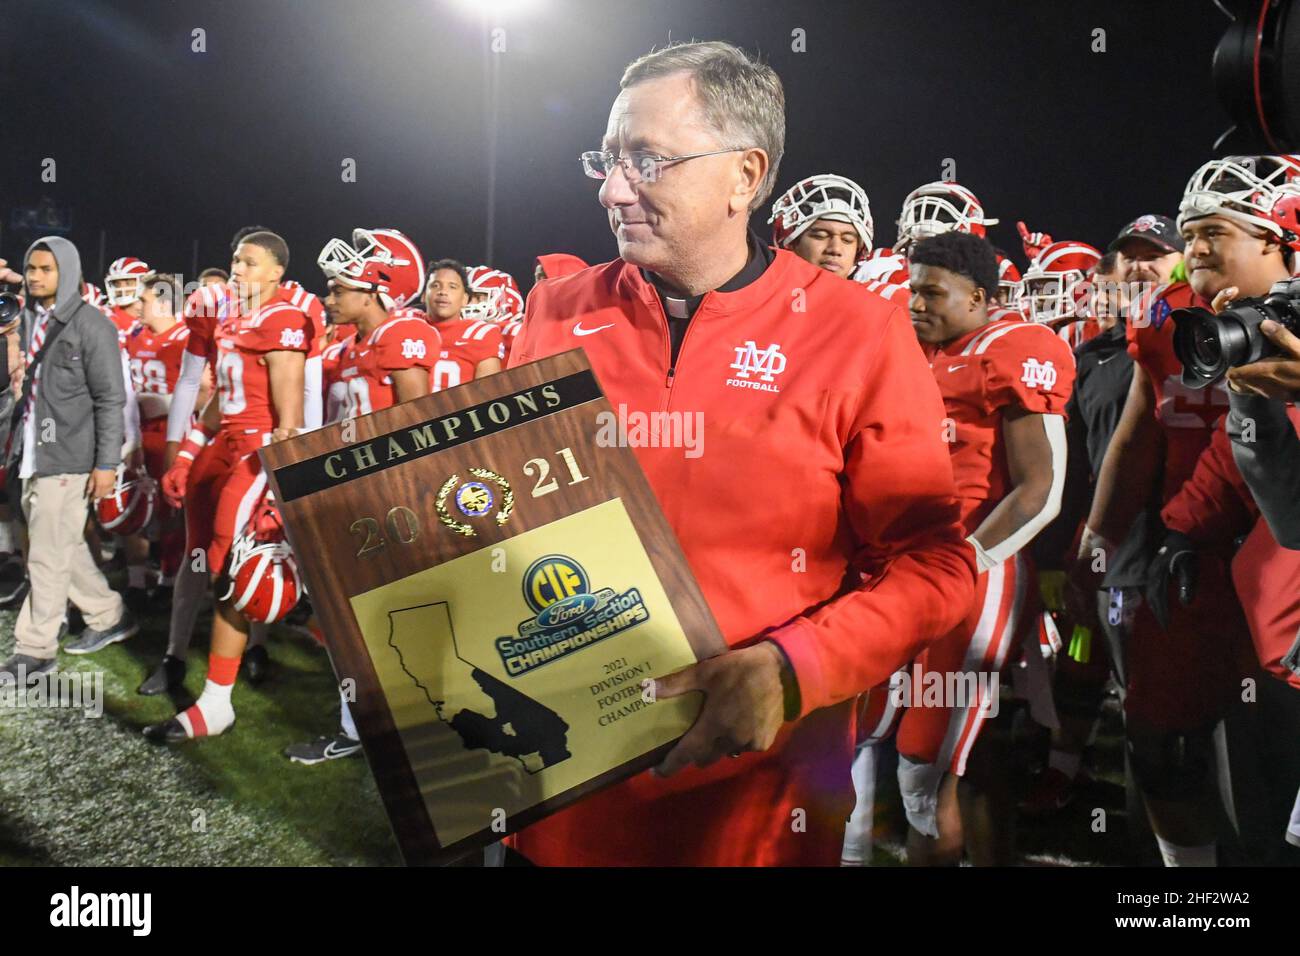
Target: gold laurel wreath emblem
462, 527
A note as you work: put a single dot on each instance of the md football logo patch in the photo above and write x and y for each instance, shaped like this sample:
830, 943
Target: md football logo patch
413, 348
765, 364
1036, 374
292, 338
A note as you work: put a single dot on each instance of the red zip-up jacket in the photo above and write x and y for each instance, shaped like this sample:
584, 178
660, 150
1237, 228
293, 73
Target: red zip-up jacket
822, 454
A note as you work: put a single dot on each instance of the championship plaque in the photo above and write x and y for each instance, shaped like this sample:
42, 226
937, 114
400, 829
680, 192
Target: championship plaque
497, 585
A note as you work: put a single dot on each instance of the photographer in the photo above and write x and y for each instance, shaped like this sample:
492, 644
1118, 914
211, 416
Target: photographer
1264, 445
10, 316
1175, 701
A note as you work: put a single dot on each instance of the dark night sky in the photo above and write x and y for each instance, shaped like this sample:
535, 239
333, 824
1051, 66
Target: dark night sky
159, 145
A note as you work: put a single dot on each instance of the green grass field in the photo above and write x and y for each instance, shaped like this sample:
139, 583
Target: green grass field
93, 792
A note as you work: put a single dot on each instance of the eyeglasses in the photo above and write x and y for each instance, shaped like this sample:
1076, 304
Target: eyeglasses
639, 165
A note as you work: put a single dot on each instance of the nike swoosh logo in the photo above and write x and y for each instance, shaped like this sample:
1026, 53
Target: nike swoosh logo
1105, 360
953, 368
579, 330
466, 342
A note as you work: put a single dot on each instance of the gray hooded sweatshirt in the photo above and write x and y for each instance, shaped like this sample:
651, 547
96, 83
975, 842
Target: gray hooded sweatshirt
80, 397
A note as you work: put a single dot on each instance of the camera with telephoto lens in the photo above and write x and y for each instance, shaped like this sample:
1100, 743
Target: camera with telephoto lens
10, 306
1208, 344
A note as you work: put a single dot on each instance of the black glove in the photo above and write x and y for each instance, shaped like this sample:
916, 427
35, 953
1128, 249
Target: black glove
1177, 562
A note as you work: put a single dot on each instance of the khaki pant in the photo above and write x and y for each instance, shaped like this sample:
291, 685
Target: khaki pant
60, 566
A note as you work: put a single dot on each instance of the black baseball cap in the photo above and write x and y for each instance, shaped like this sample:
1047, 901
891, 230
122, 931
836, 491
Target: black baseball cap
1160, 231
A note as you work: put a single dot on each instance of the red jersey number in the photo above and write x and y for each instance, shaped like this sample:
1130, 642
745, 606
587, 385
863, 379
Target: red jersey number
1183, 407
149, 375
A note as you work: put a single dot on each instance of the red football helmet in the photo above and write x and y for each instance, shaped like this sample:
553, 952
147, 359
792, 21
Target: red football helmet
378, 260
1285, 211
883, 265
1054, 284
263, 575
124, 282
129, 507
825, 196
504, 300
936, 208
1008, 282
95, 296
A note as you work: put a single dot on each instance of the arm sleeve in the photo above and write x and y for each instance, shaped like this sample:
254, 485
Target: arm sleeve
1051, 548
130, 410
1267, 453
103, 365
313, 401
900, 503
185, 394
1214, 505
1054, 427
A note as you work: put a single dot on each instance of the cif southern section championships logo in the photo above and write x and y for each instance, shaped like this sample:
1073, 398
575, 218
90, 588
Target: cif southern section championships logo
567, 614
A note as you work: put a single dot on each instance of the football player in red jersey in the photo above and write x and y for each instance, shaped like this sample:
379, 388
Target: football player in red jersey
154, 353
259, 350
1005, 384
471, 348
340, 340
1180, 680
206, 307
387, 361
825, 220
928, 210
390, 356
494, 296
123, 287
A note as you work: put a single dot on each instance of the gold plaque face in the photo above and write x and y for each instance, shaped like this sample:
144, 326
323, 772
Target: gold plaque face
513, 673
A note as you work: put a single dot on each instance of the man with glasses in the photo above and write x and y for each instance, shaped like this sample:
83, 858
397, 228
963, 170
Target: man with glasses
819, 516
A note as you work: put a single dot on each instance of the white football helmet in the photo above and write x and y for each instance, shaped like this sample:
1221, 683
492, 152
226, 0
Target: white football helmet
825, 196
1244, 189
1054, 286
936, 208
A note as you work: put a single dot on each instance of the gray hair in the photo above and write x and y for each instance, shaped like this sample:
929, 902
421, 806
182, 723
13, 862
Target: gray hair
740, 97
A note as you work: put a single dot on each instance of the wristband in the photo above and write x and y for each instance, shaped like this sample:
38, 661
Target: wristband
194, 442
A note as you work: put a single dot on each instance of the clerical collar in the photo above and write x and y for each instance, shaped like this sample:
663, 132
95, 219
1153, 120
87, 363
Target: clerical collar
760, 257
